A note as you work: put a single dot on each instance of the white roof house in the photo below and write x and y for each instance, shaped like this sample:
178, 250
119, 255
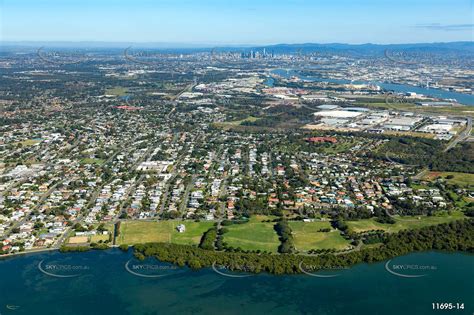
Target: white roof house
181, 228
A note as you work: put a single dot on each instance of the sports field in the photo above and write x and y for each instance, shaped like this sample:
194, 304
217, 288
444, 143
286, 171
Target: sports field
403, 223
135, 232
253, 235
307, 236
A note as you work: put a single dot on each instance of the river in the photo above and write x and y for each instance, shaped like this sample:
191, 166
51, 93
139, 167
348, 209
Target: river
98, 282
462, 98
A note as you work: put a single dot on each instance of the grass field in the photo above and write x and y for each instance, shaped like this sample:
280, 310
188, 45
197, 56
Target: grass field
253, 235
99, 237
92, 161
403, 223
249, 119
78, 239
411, 134
419, 186
193, 234
29, 142
344, 144
306, 236
135, 232
117, 91
455, 110
461, 179
228, 124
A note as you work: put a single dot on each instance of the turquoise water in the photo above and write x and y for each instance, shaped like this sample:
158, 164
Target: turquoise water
100, 284
465, 99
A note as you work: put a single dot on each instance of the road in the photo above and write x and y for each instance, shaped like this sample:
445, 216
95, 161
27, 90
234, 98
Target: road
189, 87
166, 188
184, 202
92, 199
19, 182
466, 133
40, 201
175, 97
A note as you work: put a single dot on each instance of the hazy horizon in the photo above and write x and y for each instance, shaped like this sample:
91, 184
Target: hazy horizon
184, 45
231, 23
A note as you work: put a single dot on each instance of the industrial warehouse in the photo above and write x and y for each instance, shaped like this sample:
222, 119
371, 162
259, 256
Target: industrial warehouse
380, 121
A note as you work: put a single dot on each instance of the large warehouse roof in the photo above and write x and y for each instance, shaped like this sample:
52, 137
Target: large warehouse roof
337, 113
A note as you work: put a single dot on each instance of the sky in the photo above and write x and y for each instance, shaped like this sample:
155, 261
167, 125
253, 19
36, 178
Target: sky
234, 22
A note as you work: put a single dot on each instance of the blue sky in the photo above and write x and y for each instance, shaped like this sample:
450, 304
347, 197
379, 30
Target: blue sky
237, 21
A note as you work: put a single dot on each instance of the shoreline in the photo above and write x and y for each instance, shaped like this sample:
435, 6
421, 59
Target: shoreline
227, 267
387, 83
302, 269
457, 236
449, 237
29, 252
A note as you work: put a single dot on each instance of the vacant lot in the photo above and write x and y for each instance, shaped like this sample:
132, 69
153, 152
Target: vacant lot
253, 235
403, 223
135, 232
78, 239
306, 236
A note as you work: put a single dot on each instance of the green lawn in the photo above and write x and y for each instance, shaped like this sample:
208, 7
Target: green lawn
455, 110
343, 145
99, 237
249, 119
92, 161
117, 91
193, 234
461, 179
307, 237
403, 223
135, 232
29, 142
460, 201
411, 134
228, 124
253, 235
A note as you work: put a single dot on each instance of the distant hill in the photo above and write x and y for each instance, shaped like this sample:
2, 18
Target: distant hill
466, 48
368, 49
